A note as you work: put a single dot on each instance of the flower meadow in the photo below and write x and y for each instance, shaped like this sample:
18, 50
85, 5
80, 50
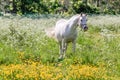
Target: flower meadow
30, 69
38, 71
27, 53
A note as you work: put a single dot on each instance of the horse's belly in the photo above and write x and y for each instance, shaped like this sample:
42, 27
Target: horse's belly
69, 40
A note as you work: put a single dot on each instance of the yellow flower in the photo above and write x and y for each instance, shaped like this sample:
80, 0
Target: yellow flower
37, 70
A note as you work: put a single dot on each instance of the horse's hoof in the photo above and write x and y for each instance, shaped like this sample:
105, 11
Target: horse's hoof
60, 60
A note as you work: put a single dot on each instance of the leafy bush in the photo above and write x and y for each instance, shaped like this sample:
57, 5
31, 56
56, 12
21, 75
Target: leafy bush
57, 6
84, 8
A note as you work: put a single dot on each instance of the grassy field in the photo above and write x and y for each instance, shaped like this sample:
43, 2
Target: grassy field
26, 53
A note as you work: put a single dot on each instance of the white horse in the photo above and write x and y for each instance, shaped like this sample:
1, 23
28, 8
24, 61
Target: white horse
65, 31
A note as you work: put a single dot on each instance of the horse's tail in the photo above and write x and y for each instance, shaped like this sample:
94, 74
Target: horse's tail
50, 32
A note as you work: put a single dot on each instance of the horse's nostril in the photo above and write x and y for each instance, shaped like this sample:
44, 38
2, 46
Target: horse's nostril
85, 28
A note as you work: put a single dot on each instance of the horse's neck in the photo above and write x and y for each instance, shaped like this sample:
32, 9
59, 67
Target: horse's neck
72, 22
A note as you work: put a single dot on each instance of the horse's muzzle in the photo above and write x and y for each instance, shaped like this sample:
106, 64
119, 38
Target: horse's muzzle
85, 28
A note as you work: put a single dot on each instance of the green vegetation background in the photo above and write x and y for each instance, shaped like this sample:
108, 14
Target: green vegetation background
60, 6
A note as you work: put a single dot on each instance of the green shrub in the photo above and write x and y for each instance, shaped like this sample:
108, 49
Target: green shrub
80, 7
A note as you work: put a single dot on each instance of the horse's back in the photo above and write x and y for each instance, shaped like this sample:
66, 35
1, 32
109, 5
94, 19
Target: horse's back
61, 21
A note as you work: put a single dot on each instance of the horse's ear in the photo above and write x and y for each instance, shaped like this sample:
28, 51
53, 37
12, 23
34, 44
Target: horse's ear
81, 14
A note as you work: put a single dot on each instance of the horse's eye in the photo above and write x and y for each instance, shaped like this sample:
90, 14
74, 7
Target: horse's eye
81, 20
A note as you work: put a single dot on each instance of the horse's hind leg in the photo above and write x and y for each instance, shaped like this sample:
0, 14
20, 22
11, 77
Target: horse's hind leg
73, 46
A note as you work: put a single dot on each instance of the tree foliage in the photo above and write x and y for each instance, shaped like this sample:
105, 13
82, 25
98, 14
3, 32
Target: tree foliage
60, 6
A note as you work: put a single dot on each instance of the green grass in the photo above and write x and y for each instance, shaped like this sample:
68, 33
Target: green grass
99, 46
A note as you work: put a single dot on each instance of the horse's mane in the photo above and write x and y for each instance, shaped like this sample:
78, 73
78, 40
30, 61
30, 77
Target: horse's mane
74, 17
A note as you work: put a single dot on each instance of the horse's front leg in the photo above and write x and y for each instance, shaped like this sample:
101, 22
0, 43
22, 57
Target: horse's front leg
73, 45
60, 50
64, 47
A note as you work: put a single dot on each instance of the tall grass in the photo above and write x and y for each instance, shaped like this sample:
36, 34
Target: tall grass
23, 38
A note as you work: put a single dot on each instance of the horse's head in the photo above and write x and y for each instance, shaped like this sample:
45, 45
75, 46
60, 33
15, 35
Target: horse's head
83, 22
